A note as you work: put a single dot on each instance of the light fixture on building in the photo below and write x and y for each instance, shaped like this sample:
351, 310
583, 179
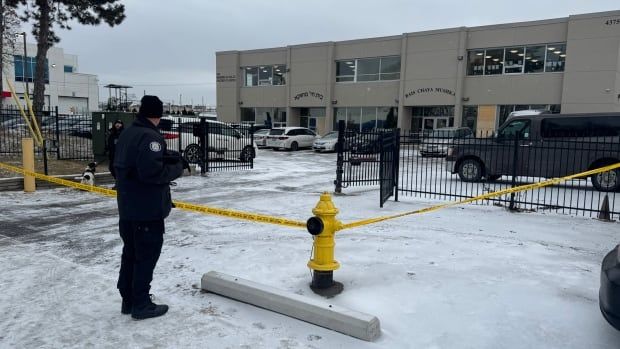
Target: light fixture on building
557, 52
528, 57
495, 59
465, 99
520, 55
349, 62
334, 102
479, 54
460, 58
53, 65
550, 48
487, 56
534, 60
514, 51
563, 55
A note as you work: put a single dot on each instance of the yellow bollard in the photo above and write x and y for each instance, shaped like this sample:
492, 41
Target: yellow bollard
324, 226
28, 164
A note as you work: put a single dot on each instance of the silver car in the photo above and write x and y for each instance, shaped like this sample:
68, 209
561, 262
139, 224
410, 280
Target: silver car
438, 141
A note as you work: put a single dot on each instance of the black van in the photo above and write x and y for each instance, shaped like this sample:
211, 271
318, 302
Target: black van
548, 145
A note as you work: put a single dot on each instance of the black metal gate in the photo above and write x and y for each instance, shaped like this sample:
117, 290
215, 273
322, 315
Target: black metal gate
367, 158
388, 165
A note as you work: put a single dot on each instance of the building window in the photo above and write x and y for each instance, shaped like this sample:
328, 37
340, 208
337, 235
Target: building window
363, 119
345, 71
390, 68
513, 60
517, 60
251, 76
368, 69
265, 75
556, 55
470, 116
535, 59
68, 69
275, 117
476, 62
494, 61
26, 72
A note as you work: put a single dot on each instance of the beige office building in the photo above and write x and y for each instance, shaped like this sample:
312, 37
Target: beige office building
460, 76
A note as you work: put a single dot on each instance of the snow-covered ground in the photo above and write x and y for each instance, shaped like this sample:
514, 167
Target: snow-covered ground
465, 277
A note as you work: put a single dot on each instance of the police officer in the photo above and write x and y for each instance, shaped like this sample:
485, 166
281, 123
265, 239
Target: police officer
144, 170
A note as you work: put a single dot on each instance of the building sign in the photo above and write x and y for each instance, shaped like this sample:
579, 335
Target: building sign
614, 21
423, 90
226, 78
308, 94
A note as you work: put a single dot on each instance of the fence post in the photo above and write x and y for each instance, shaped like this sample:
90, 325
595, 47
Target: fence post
396, 167
515, 160
252, 144
57, 133
340, 157
381, 168
204, 138
180, 141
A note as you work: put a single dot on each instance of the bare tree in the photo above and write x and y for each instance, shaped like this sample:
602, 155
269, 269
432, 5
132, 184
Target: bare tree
45, 14
9, 25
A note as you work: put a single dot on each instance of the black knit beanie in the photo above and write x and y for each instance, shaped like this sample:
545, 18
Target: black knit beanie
151, 107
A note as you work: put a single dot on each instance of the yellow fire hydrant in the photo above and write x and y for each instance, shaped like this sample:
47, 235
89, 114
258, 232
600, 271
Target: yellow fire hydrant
323, 227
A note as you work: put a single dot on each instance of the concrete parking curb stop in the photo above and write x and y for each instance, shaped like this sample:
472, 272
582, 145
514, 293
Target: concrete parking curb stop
317, 312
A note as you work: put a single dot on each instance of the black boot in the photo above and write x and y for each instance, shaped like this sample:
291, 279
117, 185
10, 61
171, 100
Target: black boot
148, 311
126, 307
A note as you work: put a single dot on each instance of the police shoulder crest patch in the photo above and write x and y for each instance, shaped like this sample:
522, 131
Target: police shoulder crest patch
155, 146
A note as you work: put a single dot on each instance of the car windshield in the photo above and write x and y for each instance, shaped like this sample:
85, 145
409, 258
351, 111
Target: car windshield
442, 134
330, 135
276, 131
261, 132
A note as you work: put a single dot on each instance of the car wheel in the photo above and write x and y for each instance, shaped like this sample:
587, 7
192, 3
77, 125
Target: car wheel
294, 146
606, 181
193, 154
470, 170
247, 154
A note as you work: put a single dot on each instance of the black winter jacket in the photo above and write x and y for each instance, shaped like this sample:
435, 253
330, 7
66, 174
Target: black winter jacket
143, 176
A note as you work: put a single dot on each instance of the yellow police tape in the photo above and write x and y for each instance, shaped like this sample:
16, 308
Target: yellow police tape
179, 204
299, 224
482, 197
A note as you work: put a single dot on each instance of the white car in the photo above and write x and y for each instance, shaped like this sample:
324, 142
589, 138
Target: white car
291, 138
326, 143
260, 137
224, 142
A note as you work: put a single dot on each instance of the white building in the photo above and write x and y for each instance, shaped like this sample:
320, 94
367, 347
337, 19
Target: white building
72, 92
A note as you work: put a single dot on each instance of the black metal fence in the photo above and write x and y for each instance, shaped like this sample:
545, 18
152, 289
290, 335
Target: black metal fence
446, 167
66, 136
212, 145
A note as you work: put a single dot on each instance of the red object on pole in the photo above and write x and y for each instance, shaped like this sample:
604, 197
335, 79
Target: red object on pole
6, 94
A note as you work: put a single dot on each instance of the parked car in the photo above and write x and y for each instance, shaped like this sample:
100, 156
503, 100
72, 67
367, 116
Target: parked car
365, 143
224, 142
292, 138
260, 137
82, 129
326, 143
436, 143
609, 292
64, 125
544, 142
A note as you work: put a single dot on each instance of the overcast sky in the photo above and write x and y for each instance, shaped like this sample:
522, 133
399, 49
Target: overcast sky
168, 47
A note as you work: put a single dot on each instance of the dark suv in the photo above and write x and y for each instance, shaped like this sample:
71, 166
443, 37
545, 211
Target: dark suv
547, 145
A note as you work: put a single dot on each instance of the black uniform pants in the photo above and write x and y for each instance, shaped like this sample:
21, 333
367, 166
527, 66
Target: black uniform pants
142, 242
